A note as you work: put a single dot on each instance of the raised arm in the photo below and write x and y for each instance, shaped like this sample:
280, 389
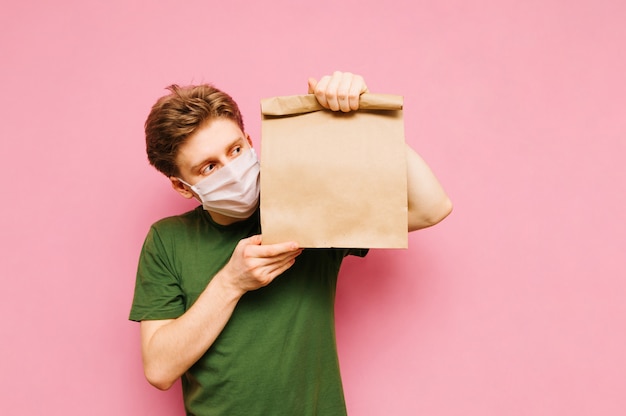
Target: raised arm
427, 201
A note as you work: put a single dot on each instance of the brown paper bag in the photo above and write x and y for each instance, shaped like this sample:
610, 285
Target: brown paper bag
333, 179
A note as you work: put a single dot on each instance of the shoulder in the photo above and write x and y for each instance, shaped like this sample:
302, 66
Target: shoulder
178, 222
169, 232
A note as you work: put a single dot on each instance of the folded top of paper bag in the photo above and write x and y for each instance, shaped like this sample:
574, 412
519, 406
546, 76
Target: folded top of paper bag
298, 104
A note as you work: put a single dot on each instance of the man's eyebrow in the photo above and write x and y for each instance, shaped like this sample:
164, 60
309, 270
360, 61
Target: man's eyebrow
197, 166
228, 146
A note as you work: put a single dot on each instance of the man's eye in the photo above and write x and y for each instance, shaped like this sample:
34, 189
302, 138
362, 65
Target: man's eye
236, 150
208, 168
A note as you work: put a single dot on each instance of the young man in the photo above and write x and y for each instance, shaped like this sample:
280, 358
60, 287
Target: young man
248, 327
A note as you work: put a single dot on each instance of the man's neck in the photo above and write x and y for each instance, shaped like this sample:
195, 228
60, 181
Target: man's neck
223, 219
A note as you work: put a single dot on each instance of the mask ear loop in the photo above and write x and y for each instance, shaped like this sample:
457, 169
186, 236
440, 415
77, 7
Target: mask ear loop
191, 186
193, 189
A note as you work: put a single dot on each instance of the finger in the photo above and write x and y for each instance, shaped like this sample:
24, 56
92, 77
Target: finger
243, 244
344, 92
278, 261
269, 267
320, 91
357, 87
312, 83
281, 268
265, 260
255, 240
332, 89
272, 271
272, 250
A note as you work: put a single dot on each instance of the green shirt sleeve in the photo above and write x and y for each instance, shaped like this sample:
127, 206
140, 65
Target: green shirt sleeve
158, 292
359, 252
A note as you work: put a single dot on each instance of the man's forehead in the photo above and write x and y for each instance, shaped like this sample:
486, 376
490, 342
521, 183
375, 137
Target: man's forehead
209, 141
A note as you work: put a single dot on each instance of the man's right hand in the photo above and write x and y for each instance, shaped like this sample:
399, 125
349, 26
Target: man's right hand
171, 346
253, 265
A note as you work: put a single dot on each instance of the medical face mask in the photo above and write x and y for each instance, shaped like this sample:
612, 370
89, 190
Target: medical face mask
233, 190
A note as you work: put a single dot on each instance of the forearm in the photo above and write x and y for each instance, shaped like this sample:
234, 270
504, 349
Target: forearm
428, 203
171, 347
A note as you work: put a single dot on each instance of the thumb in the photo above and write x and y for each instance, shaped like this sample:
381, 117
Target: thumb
312, 85
254, 240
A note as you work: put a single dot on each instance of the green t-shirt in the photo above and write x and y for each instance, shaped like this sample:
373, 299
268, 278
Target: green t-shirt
277, 354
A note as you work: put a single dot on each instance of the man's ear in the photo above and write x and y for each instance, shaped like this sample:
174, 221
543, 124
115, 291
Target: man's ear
181, 188
249, 140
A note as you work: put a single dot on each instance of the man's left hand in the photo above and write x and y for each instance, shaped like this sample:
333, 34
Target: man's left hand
339, 91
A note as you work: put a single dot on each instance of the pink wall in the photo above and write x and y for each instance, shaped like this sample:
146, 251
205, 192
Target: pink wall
515, 305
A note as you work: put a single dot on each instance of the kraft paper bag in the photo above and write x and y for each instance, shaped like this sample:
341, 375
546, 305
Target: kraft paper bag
333, 179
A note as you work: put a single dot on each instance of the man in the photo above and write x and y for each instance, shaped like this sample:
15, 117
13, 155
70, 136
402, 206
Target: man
248, 327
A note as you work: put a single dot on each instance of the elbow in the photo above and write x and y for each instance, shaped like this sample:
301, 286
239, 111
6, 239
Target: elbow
163, 386
159, 380
444, 210
433, 216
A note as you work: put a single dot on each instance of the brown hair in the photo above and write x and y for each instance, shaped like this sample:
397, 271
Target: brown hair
178, 115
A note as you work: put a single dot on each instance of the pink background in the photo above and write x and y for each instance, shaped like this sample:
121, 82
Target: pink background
515, 305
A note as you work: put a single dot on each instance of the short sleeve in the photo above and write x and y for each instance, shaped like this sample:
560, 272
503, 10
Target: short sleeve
359, 252
158, 293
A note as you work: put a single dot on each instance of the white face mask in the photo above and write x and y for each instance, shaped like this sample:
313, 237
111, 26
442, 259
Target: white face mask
233, 190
